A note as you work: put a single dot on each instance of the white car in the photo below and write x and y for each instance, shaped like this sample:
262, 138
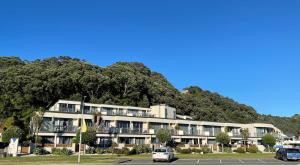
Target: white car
163, 154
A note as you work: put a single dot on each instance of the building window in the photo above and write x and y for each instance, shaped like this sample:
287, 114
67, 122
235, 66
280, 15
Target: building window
47, 140
139, 141
65, 140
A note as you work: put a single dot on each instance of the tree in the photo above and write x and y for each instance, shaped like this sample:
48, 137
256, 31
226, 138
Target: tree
12, 132
245, 135
89, 137
163, 135
298, 133
223, 139
37, 120
268, 140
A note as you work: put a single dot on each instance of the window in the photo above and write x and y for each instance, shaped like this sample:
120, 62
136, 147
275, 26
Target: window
139, 141
47, 140
65, 140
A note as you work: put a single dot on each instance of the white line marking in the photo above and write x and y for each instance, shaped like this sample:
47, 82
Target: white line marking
261, 160
241, 161
220, 161
198, 161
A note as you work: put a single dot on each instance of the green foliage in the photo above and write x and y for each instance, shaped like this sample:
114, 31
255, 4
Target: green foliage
184, 150
63, 152
206, 149
245, 134
12, 132
26, 87
223, 138
88, 137
163, 135
40, 151
90, 150
252, 149
240, 150
268, 140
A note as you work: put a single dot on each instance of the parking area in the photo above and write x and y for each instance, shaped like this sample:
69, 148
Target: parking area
215, 161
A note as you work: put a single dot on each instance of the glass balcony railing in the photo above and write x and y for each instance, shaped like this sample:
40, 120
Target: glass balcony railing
113, 130
59, 128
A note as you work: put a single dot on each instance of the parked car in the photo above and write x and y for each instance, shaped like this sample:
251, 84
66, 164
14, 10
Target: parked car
163, 154
288, 154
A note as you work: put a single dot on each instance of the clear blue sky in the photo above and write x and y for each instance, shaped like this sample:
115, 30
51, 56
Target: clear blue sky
248, 50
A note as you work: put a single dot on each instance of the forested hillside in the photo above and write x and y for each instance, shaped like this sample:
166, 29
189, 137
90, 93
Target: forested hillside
28, 86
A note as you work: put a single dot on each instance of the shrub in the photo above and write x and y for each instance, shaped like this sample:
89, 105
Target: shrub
100, 151
178, 149
186, 151
206, 149
196, 150
124, 151
132, 152
142, 149
253, 149
90, 150
40, 151
64, 151
270, 149
227, 149
240, 150
12, 132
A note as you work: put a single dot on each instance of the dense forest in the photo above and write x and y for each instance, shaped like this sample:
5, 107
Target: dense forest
27, 86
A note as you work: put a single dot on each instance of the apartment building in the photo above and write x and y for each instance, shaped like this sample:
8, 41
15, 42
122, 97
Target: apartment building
127, 126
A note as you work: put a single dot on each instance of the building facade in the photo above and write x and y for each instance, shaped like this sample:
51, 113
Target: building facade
127, 126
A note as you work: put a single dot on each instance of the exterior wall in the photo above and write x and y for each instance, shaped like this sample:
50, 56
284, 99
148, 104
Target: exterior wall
159, 114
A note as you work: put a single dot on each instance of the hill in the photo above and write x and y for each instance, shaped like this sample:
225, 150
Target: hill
28, 86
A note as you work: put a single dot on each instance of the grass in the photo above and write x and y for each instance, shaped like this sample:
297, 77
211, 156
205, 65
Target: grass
58, 159
114, 158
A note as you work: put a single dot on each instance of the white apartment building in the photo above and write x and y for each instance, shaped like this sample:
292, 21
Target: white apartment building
127, 126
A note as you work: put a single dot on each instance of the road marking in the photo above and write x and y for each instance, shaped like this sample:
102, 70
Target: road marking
198, 161
261, 161
220, 161
241, 161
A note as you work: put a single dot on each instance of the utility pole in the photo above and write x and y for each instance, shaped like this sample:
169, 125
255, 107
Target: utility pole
80, 137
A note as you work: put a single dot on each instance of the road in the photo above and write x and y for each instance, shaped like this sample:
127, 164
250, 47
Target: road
213, 162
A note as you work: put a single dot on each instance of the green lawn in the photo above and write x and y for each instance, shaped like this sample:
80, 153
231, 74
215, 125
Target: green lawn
114, 158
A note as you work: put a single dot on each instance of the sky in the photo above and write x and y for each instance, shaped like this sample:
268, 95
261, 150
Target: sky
248, 50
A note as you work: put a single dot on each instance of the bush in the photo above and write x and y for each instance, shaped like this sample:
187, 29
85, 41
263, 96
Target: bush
240, 150
132, 152
252, 149
227, 149
142, 149
100, 151
206, 149
64, 151
186, 151
271, 149
40, 151
196, 150
90, 150
124, 151
12, 132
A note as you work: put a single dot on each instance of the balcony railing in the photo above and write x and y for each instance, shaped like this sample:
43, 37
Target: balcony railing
59, 128
113, 130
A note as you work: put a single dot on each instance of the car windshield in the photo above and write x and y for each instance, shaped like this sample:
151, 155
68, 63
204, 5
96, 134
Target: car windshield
293, 150
160, 150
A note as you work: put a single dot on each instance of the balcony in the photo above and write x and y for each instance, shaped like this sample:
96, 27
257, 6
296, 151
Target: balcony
68, 110
113, 130
58, 129
112, 113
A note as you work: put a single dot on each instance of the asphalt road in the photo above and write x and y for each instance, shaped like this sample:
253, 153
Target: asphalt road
214, 162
